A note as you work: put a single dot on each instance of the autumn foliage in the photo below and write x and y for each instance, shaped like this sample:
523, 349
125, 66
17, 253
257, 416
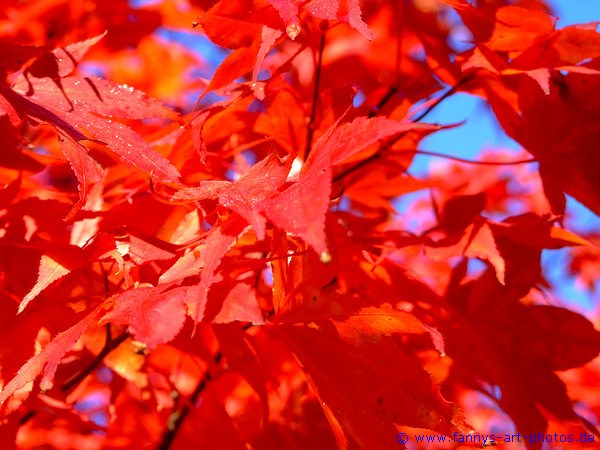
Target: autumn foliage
232, 255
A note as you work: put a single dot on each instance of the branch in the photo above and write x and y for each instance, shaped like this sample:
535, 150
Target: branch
386, 98
447, 94
393, 90
109, 345
177, 417
313, 110
421, 116
372, 158
175, 420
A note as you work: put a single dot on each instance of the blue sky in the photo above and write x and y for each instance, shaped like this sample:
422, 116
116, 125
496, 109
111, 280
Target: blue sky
481, 131
576, 11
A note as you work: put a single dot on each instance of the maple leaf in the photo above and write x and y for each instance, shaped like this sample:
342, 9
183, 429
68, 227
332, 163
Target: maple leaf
248, 195
205, 260
154, 315
69, 102
347, 11
87, 171
240, 304
62, 61
363, 348
46, 362
477, 241
49, 272
15, 55
288, 10
78, 101
301, 207
548, 339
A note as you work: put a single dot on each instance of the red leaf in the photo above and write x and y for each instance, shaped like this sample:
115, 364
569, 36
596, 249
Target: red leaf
460, 211
345, 12
154, 315
355, 19
74, 94
13, 56
301, 208
205, 259
342, 142
232, 24
269, 37
142, 250
79, 101
238, 63
57, 262
48, 359
49, 272
199, 429
12, 156
287, 9
517, 28
240, 305
340, 358
87, 171
62, 61
248, 195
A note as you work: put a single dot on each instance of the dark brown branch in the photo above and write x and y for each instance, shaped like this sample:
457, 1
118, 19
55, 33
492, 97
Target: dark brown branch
393, 90
447, 94
386, 98
177, 417
109, 345
421, 116
175, 420
313, 109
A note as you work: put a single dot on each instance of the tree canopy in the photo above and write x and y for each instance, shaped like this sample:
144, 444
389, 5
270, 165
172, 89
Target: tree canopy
212, 234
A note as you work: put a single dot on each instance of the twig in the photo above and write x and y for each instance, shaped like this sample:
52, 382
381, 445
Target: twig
175, 420
421, 116
177, 417
109, 345
469, 161
447, 94
393, 90
386, 98
313, 110
372, 158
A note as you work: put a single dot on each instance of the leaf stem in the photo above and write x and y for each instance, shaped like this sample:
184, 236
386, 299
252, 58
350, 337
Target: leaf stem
313, 109
372, 158
471, 161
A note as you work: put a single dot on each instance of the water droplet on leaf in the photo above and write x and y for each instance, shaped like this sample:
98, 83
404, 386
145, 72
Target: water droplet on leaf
293, 30
325, 257
259, 90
